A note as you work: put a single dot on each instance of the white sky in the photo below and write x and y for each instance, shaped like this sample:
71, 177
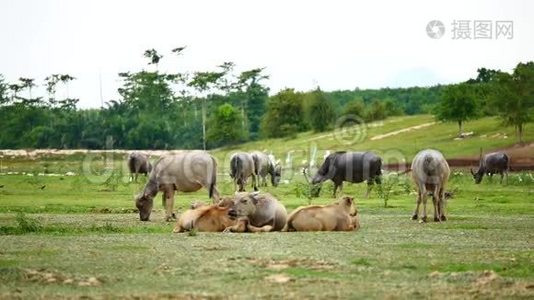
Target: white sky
334, 44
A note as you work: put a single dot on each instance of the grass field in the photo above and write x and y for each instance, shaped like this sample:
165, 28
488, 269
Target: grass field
79, 236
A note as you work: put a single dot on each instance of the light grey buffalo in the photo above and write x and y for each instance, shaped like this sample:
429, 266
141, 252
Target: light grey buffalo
241, 168
430, 171
491, 163
262, 212
138, 163
265, 165
185, 171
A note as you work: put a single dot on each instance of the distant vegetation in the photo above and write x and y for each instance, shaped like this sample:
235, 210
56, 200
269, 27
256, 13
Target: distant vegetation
210, 109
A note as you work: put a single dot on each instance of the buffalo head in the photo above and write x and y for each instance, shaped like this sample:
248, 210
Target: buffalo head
244, 205
277, 175
478, 175
144, 203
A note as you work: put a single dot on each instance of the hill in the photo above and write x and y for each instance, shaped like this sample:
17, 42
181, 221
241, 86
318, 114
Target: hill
396, 139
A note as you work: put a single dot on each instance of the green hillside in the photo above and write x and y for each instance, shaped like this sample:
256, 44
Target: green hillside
488, 133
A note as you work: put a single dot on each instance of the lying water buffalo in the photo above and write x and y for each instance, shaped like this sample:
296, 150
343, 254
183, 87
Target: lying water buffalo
352, 167
241, 168
262, 211
186, 171
265, 165
340, 216
430, 172
207, 218
138, 163
491, 163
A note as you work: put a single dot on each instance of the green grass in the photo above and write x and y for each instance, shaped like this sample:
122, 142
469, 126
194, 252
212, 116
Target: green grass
101, 245
438, 136
79, 236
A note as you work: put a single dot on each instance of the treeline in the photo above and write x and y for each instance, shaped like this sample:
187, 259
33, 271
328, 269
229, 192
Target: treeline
203, 109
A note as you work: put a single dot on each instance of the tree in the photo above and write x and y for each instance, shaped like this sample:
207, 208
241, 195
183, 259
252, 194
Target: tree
252, 95
154, 57
355, 108
284, 115
225, 126
203, 82
457, 104
321, 114
513, 97
375, 111
4, 87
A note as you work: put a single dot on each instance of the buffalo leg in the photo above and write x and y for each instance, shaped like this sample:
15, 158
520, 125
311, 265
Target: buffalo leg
168, 193
435, 201
442, 205
241, 226
416, 211
368, 191
265, 228
254, 182
336, 186
423, 199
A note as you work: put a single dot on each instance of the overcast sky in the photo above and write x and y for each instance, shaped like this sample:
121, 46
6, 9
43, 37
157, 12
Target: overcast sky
302, 44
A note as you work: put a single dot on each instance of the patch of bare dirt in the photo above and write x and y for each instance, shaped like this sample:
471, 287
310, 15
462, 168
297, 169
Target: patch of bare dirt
278, 278
407, 129
291, 263
54, 277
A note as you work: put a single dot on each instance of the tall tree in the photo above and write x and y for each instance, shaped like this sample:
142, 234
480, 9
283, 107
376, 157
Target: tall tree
4, 87
224, 126
203, 82
513, 97
457, 104
321, 114
284, 115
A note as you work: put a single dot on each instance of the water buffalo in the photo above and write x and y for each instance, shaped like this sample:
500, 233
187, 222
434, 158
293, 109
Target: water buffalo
241, 168
185, 171
265, 165
262, 211
352, 167
340, 216
492, 163
138, 163
430, 172
207, 218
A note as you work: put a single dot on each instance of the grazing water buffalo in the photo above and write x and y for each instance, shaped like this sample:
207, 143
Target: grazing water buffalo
241, 168
340, 216
492, 163
352, 167
262, 211
430, 172
138, 163
186, 171
265, 165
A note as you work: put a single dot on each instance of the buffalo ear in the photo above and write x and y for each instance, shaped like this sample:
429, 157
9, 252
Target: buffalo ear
254, 197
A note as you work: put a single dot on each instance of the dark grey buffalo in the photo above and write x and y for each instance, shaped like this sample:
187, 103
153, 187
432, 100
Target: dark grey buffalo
351, 167
241, 168
138, 163
266, 165
492, 163
184, 171
430, 172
